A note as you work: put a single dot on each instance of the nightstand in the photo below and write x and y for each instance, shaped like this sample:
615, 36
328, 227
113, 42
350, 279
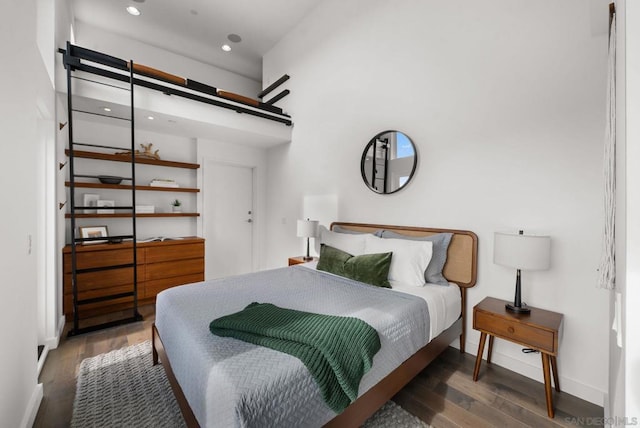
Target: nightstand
298, 260
537, 330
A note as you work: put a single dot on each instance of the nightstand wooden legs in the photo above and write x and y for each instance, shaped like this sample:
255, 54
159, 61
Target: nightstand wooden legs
549, 360
490, 350
476, 370
483, 339
554, 369
547, 383
549, 364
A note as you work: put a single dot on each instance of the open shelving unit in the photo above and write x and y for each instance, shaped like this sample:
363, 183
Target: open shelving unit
136, 187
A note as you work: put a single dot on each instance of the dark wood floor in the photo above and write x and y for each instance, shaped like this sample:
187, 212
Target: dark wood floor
443, 395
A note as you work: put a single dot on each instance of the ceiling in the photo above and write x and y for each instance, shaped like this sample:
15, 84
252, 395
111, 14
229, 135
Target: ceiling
198, 28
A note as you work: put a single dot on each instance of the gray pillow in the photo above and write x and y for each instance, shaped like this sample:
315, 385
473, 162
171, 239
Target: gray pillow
340, 229
433, 273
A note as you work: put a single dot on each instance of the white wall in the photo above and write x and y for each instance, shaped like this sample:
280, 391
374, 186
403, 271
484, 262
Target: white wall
21, 80
505, 103
63, 32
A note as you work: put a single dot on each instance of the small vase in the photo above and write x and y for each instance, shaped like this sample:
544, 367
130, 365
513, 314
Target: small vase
176, 209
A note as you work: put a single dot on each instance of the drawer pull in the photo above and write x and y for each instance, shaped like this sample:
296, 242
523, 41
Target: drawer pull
511, 329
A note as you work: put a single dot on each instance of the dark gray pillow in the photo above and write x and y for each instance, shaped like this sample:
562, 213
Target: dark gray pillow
433, 273
340, 229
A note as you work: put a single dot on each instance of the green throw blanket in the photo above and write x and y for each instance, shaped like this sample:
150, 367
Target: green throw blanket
337, 351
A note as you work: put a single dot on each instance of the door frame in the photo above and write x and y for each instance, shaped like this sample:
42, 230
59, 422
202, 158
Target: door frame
210, 162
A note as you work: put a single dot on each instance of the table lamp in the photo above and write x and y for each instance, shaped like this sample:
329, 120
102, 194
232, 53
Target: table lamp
522, 252
307, 229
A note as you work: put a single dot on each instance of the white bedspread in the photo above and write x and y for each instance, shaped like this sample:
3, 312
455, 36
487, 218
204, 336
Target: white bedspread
445, 303
231, 383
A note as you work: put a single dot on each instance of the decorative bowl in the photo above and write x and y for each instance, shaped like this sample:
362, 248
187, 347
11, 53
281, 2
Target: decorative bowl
109, 179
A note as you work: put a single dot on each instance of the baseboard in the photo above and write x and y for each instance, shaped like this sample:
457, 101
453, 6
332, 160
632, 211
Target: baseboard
43, 358
570, 386
55, 341
32, 408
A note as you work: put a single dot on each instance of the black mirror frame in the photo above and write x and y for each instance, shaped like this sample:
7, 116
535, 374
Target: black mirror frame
364, 155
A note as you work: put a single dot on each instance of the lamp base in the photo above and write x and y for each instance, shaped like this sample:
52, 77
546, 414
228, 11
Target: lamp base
523, 309
307, 258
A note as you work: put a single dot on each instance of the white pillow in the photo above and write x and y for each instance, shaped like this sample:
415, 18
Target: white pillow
352, 244
409, 259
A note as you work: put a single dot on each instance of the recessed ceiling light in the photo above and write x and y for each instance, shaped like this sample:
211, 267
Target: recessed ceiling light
234, 38
226, 48
133, 10
150, 117
106, 109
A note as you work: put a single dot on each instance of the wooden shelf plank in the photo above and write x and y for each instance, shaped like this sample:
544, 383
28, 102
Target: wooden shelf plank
127, 159
128, 187
127, 215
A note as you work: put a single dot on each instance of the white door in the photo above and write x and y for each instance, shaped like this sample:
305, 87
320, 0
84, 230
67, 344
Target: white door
228, 219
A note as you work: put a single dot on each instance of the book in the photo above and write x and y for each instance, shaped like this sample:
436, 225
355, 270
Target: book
145, 209
159, 239
160, 182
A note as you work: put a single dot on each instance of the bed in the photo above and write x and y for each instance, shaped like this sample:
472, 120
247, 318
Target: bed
220, 381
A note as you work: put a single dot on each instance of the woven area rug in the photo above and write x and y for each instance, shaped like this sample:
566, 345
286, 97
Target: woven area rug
123, 389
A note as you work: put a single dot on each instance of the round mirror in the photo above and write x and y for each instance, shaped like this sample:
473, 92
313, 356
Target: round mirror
388, 162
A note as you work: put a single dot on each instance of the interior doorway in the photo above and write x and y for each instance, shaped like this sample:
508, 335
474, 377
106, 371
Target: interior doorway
228, 219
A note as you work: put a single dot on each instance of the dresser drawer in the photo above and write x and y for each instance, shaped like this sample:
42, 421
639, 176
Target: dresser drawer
516, 331
95, 259
174, 252
97, 280
172, 269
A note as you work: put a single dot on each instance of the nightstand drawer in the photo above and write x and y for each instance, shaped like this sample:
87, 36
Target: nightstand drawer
515, 330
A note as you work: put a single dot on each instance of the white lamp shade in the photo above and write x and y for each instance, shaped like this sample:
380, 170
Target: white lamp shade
307, 228
524, 252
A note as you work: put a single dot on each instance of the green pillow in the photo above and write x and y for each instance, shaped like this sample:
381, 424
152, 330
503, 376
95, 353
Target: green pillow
371, 269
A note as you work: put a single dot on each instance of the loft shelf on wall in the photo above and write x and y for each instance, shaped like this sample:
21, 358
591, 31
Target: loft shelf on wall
87, 60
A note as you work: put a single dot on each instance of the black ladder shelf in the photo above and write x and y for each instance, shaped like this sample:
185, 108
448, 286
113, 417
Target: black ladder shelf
77, 273
380, 164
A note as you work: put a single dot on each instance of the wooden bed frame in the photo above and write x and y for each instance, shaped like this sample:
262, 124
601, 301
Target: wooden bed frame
460, 268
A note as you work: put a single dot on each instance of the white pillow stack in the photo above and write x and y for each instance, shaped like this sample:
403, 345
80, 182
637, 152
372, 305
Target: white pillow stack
409, 260
352, 244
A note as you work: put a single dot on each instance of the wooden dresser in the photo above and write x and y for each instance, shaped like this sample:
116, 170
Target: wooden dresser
160, 265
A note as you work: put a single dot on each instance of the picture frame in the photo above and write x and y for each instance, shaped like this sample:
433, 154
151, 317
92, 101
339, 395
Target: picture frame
90, 200
92, 232
105, 203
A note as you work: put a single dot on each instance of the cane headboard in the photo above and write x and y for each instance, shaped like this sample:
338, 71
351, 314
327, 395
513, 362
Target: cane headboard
462, 255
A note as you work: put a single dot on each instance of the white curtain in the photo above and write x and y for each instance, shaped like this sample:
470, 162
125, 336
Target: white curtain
607, 269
